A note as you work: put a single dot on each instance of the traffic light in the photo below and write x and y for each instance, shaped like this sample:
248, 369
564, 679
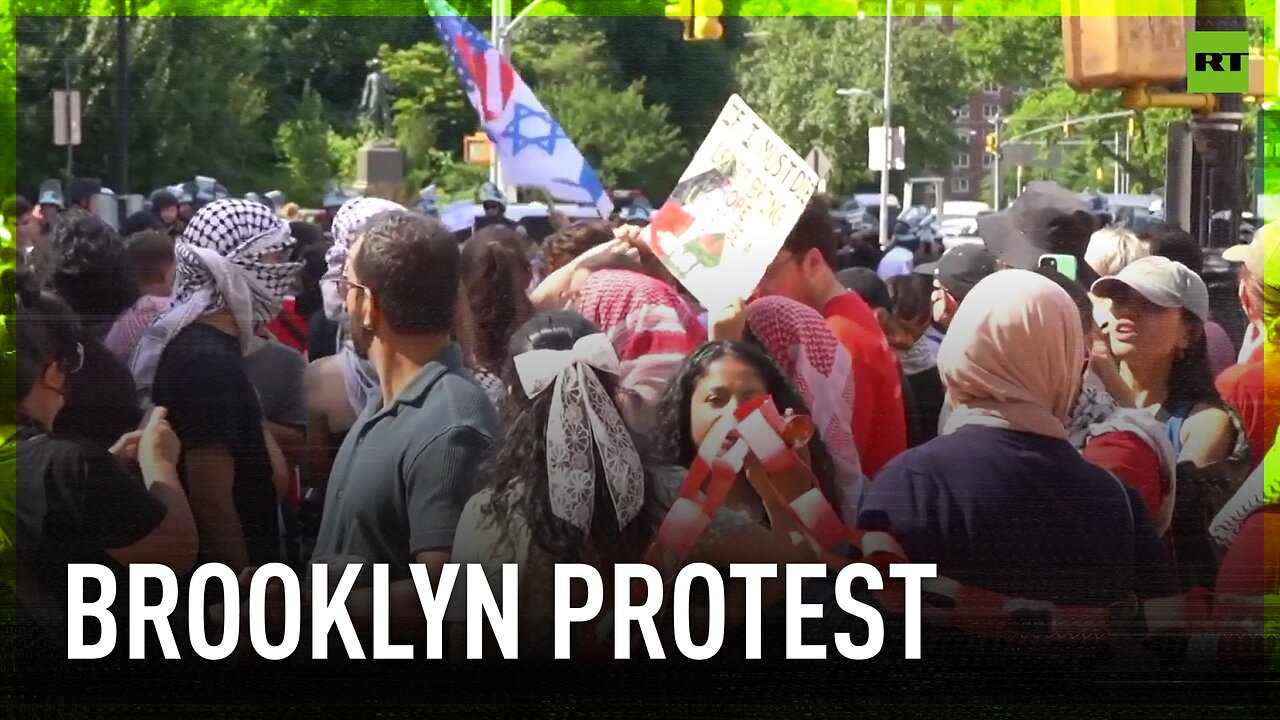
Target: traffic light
682, 11
991, 144
706, 24
1066, 130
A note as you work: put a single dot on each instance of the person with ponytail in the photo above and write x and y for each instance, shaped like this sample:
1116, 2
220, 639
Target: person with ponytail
494, 276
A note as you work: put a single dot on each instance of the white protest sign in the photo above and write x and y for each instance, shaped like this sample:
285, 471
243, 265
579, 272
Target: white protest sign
732, 209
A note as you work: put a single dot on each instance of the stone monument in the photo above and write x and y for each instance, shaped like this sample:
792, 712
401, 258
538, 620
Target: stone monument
380, 163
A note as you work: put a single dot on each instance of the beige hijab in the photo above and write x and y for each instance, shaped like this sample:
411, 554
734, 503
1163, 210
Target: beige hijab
1013, 356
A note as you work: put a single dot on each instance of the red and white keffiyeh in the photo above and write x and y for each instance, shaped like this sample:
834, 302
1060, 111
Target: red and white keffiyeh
651, 327
798, 340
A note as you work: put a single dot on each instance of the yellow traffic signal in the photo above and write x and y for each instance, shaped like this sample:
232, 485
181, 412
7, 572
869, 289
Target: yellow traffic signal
1066, 130
991, 144
1133, 127
706, 24
682, 11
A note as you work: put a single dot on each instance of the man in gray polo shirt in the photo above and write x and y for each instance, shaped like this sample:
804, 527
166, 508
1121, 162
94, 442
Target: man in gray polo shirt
407, 466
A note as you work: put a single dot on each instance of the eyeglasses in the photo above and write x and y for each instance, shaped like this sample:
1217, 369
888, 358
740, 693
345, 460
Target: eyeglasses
344, 285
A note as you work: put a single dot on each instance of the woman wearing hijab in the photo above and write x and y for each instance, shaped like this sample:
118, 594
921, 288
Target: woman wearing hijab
651, 327
797, 339
1002, 500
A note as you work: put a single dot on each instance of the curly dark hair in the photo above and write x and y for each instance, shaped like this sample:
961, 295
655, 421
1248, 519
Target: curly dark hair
493, 276
88, 267
517, 472
673, 444
570, 242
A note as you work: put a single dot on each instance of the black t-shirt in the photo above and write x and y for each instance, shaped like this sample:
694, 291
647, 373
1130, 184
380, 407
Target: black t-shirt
201, 380
102, 403
927, 395
322, 336
75, 502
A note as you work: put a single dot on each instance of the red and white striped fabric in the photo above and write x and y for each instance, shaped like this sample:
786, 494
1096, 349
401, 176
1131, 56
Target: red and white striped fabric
651, 327
797, 338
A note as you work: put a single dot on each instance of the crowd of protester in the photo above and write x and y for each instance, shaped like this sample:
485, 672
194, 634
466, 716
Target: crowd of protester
222, 385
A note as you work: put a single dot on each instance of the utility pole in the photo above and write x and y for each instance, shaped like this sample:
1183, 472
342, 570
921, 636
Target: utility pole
1115, 167
885, 237
1217, 184
498, 31
122, 98
66, 71
995, 167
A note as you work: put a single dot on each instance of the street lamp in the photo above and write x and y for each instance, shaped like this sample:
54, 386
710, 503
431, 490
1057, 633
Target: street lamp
888, 133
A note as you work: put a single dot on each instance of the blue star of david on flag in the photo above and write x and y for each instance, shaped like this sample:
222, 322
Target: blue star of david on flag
519, 140
513, 117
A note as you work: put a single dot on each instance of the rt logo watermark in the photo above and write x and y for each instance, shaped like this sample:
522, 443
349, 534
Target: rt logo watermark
1217, 62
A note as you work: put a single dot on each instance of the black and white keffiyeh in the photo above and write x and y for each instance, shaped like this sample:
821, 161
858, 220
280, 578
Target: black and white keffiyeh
358, 374
353, 215
221, 263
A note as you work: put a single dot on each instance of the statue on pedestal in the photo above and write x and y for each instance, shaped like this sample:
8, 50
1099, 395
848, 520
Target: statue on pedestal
375, 100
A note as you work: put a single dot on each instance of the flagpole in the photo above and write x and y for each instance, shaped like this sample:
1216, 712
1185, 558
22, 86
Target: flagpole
499, 34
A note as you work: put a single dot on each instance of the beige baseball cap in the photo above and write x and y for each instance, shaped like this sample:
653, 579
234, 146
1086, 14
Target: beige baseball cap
1261, 254
1162, 282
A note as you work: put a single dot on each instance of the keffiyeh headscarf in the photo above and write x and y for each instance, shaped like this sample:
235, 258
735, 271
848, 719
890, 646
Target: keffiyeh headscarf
358, 376
353, 214
798, 340
583, 417
220, 265
651, 327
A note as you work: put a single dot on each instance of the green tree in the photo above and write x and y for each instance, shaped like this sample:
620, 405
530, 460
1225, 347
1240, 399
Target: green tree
1011, 51
791, 77
304, 145
431, 112
630, 142
1056, 99
197, 104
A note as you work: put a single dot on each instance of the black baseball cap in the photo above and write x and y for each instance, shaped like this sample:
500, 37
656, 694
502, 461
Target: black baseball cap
868, 284
960, 268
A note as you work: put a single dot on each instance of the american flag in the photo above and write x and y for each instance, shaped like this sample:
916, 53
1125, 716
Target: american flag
531, 146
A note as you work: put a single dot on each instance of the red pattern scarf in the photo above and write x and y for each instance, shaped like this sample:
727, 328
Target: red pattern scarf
651, 327
798, 340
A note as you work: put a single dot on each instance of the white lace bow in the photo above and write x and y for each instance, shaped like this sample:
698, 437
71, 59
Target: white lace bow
584, 418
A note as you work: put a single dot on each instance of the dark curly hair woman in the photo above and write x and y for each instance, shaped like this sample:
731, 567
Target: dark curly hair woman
88, 267
530, 510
